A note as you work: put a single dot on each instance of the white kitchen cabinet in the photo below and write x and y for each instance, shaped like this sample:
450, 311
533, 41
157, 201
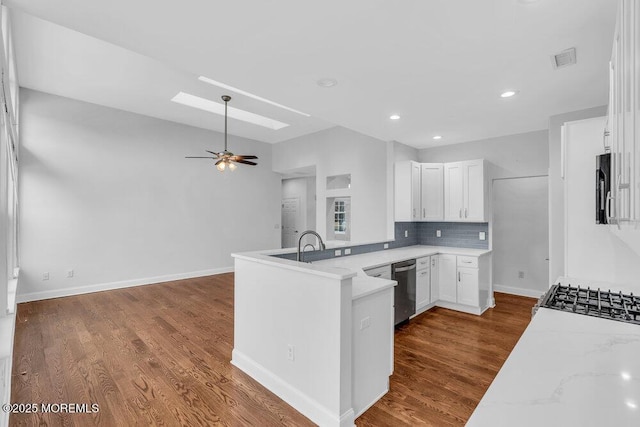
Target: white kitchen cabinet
623, 126
423, 282
435, 289
464, 282
447, 272
467, 287
407, 191
465, 191
432, 192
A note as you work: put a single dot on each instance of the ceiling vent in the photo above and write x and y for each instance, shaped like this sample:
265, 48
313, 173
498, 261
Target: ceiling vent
564, 59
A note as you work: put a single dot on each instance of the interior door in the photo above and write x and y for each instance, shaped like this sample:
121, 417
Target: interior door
290, 221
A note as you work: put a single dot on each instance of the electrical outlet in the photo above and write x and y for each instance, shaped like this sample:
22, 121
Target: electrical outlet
347, 251
45, 275
438, 233
520, 274
386, 246
406, 233
365, 323
291, 352
69, 273
482, 235
338, 252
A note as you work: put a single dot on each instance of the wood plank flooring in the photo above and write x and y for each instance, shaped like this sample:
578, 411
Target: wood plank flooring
159, 355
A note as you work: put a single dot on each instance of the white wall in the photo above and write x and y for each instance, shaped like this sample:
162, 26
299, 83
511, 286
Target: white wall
110, 195
520, 235
338, 151
556, 188
402, 152
524, 154
592, 252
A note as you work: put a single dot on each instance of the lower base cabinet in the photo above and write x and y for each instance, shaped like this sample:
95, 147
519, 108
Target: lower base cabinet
447, 277
465, 282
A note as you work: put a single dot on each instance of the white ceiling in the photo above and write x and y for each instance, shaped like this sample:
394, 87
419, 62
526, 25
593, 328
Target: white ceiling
439, 64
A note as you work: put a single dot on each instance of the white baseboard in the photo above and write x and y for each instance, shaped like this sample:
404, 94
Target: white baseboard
65, 292
533, 293
303, 403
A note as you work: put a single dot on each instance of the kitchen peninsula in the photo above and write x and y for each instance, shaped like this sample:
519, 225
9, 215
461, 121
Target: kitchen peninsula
301, 329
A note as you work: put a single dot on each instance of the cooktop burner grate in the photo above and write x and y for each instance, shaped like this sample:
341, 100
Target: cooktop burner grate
597, 303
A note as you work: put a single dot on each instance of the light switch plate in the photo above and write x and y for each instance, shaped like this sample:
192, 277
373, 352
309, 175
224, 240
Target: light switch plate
386, 246
406, 233
438, 233
347, 251
483, 235
338, 252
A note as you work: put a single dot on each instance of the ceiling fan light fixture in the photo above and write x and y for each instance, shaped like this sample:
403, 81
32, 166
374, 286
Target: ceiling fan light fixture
226, 159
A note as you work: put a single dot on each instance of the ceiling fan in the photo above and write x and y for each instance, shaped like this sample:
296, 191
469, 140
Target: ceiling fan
226, 159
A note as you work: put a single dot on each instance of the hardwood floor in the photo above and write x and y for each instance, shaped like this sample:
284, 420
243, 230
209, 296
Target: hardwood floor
159, 355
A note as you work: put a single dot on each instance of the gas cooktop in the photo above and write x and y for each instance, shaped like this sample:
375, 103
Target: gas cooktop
592, 302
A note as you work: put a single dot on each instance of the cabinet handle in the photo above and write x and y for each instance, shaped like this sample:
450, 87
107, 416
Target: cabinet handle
458, 276
414, 212
433, 262
424, 212
607, 207
460, 213
465, 212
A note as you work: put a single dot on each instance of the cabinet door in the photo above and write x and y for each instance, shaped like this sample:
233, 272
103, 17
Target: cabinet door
415, 191
435, 290
453, 178
432, 198
473, 191
447, 277
423, 279
468, 286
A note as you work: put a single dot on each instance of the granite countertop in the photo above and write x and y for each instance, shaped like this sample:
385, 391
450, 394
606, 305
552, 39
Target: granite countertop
567, 369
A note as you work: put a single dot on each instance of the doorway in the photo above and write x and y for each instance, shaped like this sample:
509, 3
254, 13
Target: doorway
521, 235
298, 208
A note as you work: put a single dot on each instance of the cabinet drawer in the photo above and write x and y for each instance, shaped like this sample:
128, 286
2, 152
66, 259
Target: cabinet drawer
423, 263
383, 272
467, 261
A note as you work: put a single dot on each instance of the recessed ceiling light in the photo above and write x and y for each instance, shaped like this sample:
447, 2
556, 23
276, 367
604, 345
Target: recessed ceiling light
394, 117
234, 113
508, 93
437, 137
327, 82
631, 404
250, 95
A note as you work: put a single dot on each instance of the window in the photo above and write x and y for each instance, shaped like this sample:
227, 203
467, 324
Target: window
340, 217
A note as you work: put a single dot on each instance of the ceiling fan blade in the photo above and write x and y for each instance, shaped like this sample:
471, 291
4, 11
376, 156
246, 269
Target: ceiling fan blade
246, 162
198, 157
243, 157
215, 154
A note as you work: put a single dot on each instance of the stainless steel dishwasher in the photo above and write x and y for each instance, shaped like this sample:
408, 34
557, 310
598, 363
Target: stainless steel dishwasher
405, 292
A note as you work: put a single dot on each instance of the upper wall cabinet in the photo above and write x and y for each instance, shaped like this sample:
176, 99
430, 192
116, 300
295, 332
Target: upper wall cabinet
465, 191
431, 196
407, 191
623, 123
441, 191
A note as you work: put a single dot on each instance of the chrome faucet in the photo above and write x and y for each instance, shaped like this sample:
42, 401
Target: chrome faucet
321, 245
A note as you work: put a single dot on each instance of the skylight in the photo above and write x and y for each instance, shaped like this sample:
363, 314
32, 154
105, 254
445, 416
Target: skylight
235, 113
250, 95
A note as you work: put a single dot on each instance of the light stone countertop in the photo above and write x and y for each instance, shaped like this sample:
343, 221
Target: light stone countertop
567, 369
354, 265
